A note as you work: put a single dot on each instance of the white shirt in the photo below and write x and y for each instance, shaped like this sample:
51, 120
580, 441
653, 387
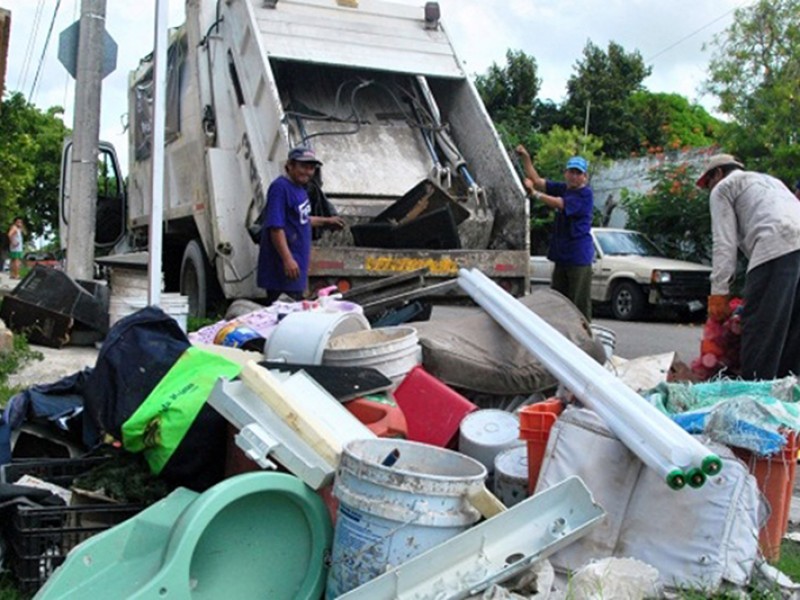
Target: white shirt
755, 213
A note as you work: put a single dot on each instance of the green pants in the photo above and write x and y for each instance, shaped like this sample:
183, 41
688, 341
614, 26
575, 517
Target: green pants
576, 284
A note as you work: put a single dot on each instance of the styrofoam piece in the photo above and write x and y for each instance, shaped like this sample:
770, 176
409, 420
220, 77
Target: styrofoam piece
301, 337
485, 433
492, 551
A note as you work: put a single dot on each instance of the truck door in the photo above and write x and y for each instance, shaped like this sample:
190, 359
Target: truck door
110, 224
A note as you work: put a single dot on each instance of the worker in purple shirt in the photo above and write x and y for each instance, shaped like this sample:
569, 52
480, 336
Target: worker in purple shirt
285, 246
571, 246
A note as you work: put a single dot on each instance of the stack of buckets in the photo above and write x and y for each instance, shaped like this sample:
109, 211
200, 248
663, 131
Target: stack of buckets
129, 295
535, 423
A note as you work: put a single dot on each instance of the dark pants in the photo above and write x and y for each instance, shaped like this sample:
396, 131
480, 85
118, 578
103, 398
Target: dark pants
771, 319
576, 284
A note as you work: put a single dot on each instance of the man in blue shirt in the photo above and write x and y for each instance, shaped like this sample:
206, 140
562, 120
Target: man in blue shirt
571, 246
285, 247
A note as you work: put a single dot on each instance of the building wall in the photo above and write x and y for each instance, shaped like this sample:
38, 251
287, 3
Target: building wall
608, 182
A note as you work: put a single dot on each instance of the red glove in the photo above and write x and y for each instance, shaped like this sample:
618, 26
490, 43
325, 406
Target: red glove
718, 307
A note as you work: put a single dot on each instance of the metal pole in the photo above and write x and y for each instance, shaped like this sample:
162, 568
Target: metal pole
86, 135
156, 234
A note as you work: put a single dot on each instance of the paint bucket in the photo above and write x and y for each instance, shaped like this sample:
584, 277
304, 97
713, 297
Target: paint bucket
393, 351
390, 511
607, 337
175, 305
485, 433
511, 475
301, 337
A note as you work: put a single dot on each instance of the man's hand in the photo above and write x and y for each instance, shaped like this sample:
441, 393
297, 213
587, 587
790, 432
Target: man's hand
528, 183
719, 307
291, 268
335, 222
522, 151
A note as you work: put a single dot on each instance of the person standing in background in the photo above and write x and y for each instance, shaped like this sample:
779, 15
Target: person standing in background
16, 241
571, 246
285, 246
757, 214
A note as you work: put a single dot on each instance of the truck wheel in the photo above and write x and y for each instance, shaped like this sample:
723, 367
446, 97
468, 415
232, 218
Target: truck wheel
195, 278
627, 301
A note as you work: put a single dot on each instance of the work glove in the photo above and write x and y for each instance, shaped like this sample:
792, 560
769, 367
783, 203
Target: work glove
718, 307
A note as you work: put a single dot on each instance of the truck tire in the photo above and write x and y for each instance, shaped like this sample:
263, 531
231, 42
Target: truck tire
627, 301
195, 276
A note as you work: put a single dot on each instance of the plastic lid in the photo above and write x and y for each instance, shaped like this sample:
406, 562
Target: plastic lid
512, 463
490, 427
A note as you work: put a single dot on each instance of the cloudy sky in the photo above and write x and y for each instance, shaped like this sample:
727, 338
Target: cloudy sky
669, 35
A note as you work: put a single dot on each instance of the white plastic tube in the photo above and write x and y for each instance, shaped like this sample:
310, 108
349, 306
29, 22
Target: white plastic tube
587, 379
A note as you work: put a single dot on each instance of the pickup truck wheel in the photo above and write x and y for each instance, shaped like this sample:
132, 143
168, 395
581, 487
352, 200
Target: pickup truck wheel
627, 301
194, 278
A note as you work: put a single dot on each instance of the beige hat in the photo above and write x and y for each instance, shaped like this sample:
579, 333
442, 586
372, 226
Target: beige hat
716, 161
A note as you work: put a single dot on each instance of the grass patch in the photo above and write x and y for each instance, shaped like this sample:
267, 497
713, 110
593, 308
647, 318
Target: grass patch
11, 362
789, 562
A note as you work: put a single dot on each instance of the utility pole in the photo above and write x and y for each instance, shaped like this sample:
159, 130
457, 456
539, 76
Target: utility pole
86, 135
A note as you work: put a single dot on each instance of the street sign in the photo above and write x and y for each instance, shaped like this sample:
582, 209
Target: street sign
68, 50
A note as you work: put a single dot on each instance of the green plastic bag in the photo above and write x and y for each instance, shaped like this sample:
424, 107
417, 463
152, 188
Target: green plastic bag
160, 423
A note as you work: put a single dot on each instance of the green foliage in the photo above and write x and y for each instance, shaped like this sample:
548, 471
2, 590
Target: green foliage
604, 82
30, 159
11, 362
755, 74
670, 122
674, 213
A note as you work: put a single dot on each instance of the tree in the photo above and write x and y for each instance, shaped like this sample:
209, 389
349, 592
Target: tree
603, 82
30, 159
509, 94
673, 213
755, 74
670, 122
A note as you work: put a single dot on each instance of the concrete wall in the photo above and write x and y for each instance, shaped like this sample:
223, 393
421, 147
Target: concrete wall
5, 33
608, 182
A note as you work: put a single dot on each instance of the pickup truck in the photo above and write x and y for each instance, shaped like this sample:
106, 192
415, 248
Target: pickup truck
633, 275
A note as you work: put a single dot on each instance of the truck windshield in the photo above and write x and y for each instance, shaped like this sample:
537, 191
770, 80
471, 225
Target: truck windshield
626, 242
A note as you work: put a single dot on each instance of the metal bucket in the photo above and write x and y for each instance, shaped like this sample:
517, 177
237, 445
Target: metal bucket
393, 351
396, 499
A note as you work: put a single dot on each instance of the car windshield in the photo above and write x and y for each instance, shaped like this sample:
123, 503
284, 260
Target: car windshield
626, 242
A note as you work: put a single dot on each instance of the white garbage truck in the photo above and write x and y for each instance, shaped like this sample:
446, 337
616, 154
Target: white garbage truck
376, 90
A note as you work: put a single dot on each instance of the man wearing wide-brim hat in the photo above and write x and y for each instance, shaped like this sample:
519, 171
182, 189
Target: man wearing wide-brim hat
757, 214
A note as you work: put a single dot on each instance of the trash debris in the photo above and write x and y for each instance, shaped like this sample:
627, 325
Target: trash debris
615, 578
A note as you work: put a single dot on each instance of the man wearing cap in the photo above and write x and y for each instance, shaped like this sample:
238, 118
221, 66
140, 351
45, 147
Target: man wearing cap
285, 247
571, 247
757, 214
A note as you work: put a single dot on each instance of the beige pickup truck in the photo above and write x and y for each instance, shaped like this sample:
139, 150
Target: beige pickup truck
632, 275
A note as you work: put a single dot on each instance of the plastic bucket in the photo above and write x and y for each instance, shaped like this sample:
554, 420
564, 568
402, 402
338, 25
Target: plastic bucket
393, 351
535, 423
301, 337
607, 337
392, 511
511, 475
485, 433
775, 477
175, 305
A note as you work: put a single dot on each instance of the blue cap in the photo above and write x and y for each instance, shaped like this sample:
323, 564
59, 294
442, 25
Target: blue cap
303, 154
578, 162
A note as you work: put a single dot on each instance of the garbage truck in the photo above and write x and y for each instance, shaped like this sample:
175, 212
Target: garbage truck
375, 89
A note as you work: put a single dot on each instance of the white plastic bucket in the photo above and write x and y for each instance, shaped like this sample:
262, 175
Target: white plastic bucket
301, 337
607, 337
390, 512
511, 475
485, 433
393, 351
175, 305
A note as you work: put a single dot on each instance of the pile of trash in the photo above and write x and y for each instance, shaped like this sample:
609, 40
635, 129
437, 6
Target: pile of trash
296, 451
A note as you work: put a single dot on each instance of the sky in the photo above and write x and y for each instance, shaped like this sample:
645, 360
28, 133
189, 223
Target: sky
669, 35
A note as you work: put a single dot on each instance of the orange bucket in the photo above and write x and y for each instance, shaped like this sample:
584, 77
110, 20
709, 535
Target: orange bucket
775, 476
535, 423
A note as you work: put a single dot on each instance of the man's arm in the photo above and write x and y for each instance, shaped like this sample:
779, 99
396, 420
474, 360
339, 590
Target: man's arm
334, 222
278, 238
530, 171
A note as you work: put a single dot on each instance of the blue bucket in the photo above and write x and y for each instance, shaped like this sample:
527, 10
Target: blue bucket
397, 499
